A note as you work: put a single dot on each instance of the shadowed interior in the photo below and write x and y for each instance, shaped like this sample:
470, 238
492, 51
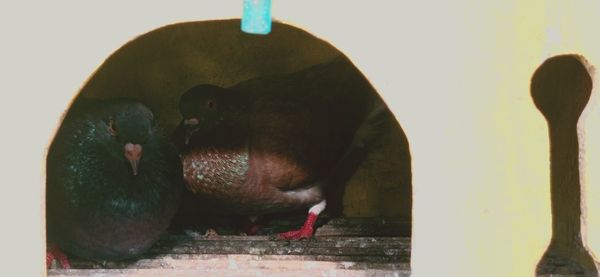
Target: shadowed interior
157, 67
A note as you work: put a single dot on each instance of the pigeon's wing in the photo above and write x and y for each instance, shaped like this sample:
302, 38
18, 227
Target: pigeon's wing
303, 123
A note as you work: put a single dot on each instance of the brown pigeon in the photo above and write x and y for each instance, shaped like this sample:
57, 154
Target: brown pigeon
278, 143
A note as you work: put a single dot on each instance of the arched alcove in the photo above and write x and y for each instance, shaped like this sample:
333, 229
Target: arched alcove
157, 67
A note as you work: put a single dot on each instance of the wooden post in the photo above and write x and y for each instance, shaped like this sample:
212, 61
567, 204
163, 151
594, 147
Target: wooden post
561, 88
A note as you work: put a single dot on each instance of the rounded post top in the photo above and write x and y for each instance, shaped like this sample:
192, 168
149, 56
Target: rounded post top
561, 87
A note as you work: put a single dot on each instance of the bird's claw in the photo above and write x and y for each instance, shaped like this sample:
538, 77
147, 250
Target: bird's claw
303, 233
251, 228
54, 254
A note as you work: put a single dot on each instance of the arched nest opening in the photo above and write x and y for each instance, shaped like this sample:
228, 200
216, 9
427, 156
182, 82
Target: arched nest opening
156, 68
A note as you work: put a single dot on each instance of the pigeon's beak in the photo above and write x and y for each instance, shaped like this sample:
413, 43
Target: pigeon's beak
191, 126
133, 153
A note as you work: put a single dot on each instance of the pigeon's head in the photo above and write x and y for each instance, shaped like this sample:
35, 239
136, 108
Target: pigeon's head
202, 108
130, 126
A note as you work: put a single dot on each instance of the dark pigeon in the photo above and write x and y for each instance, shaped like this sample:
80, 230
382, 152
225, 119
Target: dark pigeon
113, 182
280, 143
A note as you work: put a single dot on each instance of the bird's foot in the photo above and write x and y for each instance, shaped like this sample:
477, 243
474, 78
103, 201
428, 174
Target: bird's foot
53, 253
305, 232
302, 233
251, 228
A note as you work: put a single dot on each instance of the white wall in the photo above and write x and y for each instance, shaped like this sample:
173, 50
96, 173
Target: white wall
456, 74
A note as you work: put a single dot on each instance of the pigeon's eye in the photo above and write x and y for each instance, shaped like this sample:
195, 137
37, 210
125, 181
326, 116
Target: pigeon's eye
211, 104
112, 129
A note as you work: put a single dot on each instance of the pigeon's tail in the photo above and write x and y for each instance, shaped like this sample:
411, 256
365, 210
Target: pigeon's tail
365, 138
373, 125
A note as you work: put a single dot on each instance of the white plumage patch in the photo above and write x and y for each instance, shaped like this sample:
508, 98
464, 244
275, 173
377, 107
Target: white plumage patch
317, 209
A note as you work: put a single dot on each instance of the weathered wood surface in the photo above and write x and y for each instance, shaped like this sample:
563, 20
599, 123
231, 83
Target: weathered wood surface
231, 272
237, 261
334, 251
351, 249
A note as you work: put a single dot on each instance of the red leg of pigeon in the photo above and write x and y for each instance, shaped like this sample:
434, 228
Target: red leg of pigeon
49, 259
54, 253
251, 227
307, 229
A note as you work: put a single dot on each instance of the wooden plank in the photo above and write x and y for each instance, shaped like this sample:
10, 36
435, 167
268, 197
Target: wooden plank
227, 272
367, 250
333, 252
205, 261
242, 265
159, 261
